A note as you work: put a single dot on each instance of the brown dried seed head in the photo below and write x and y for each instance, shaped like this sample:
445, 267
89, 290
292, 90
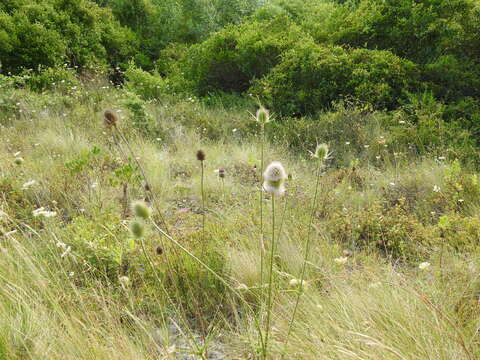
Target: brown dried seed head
110, 119
200, 155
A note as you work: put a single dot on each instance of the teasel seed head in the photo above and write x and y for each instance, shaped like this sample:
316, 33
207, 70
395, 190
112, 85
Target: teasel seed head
141, 209
110, 119
137, 227
274, 178
321, 152
200, 155
263, 115
18, 161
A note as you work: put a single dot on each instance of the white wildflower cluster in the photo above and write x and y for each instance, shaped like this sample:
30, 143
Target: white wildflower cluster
43, 212
28, 184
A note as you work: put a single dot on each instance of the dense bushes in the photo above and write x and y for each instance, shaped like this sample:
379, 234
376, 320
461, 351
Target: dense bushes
230, 59
310, 77
52, 32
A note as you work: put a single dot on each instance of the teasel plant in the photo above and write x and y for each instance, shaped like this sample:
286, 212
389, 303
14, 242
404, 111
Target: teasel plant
112, 124
263, 118
274, 183
320, 155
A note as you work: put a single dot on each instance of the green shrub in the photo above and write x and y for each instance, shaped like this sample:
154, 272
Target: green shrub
460, 232
230, 59
310, 77
148, 86
51, 78
394, 231
51, 32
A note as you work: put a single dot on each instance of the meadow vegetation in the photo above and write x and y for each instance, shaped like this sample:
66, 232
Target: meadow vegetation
142, 211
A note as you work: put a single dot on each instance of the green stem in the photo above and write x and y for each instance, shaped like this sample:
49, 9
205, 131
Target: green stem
262, 246
203, 207
270, 280
307, 249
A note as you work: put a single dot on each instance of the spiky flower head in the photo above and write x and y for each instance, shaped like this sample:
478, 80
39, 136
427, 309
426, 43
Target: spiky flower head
137, 227
263, 115
18, 161
274, 178
141, 209
201, 155
221, 173
321, 152
110, 119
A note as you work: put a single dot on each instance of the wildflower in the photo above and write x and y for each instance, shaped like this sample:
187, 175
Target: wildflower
141, 210
18, 161
321, 152
341, 260
110, 119
200, 155
61, 245
263, 115
294, 282
436, 188
28, 184
424, 265
71, 273
38, 211
274, 178
137, 228
48, 214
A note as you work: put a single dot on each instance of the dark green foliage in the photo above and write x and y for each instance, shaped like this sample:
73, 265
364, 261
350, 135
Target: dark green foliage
52, 32
310, 77
230, 59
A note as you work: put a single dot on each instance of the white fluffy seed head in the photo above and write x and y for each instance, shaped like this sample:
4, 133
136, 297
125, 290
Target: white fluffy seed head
275, 172
274, 178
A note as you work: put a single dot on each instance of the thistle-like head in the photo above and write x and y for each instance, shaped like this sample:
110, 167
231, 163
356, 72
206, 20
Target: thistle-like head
221, 172
201, 155
137, 227
141, 209
321, 152
110, 119
274, 178
18, 161
263, 115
